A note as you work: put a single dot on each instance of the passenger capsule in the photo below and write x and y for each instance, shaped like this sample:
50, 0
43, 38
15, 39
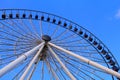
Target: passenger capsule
10, 15
108, 57
3, 16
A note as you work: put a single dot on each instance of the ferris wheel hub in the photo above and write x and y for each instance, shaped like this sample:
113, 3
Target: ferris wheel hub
46, 38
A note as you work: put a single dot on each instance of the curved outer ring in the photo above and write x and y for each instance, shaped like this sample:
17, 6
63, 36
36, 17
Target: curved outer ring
63, 22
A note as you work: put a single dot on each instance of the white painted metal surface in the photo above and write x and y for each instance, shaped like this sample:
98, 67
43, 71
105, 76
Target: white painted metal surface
62, 65
31, 63
83, 59
23, 57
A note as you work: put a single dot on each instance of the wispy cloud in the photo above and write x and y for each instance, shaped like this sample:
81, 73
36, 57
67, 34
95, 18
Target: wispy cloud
117, 15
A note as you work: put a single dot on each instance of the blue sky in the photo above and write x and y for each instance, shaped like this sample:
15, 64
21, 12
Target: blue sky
101, 17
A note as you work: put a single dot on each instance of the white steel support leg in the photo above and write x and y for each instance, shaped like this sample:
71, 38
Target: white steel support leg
62, 65
32, 71
52, 71
31, 63
23, 57
83, 59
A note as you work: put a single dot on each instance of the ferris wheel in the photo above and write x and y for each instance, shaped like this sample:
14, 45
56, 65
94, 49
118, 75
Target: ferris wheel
36, 45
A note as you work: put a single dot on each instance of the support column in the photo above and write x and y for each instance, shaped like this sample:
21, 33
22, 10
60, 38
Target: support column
31, 63
90, 62
52, 71
62, 65
23, 57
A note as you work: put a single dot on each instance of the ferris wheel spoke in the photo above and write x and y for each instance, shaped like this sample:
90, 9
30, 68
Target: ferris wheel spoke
51, 70
60, 35
28, 44
41, 29
69, 42
79, 69
23, 64
13, 40
14, 24
9, 35
81, 51
86, 54
42, 69
80, 63
105, 69
18, 49
48, 29
34, 28
71, 59
20, 26
22, 29
17, 76
72, 36
63, 66
58, 68
25, 38
31, 63
13, 64
56, 29
8, 44
14, 31
72, 73
33, 70
5, 63
22, 50
6, 33
74, 67
22, 23
7, 39
94, 58
69, 50
78, 76
73, 46
7, 50
76, 44
93, 73
9, 57
21, 45
27, 28
24, 41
